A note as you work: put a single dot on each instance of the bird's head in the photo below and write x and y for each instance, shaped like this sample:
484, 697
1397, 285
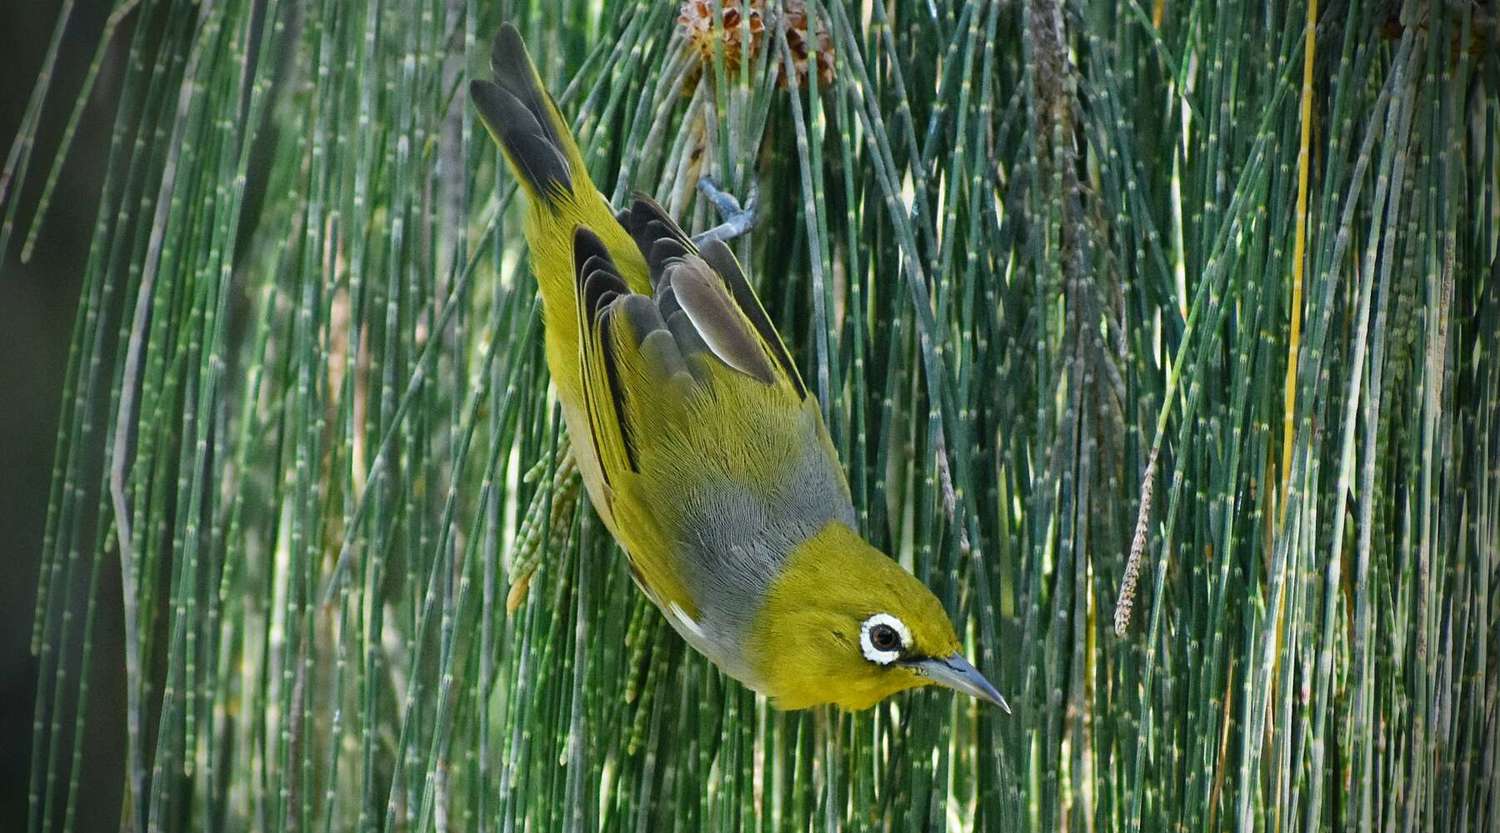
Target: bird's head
844, 624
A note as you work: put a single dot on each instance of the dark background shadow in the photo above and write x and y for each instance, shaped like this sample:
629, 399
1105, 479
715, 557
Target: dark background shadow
37, 305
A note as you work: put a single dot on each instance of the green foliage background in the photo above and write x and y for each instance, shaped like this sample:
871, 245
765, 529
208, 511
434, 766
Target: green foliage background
1041, 262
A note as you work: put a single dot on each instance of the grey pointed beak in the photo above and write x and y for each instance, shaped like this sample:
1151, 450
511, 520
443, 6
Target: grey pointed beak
956, 673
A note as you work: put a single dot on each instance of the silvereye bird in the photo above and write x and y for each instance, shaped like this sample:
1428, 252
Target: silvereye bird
699, 445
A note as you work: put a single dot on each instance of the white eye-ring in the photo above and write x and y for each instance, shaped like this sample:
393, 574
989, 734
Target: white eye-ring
883, 638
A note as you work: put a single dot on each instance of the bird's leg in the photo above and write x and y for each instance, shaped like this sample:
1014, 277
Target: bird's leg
736, 219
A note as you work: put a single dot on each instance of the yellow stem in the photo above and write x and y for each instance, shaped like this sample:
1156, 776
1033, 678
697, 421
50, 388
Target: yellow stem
1299, 251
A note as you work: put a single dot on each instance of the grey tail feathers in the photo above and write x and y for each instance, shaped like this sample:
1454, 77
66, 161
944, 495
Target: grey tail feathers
519, 113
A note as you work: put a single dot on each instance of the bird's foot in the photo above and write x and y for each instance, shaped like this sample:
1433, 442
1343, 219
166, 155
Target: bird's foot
736, 219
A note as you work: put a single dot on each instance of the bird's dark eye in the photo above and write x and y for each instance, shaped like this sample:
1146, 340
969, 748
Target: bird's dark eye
885, 638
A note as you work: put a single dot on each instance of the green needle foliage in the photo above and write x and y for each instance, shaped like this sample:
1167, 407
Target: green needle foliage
1189, 300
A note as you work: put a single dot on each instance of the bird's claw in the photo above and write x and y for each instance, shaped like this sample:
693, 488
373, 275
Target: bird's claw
736, 219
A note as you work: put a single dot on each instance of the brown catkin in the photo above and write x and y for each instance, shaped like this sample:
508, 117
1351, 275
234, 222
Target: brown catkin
699, 22
1137, 548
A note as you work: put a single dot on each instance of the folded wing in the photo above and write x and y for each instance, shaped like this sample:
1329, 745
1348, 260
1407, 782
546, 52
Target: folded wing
690, 386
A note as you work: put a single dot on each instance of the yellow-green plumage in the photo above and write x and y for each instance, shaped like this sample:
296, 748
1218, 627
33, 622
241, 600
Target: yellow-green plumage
817, 661
698, 442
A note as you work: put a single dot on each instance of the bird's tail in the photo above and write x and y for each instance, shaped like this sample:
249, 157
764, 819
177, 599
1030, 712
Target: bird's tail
536, 141
526, 124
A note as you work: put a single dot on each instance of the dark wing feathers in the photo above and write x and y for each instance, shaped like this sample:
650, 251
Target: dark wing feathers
518, 112
598, 287
598, 279
656, 235
668, 249
616, 392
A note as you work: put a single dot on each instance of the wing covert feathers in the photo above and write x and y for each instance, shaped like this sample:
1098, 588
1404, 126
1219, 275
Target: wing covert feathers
708, 288
702, 297
722, 260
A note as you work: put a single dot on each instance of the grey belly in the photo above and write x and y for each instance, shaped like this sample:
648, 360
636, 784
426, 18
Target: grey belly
737, 544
